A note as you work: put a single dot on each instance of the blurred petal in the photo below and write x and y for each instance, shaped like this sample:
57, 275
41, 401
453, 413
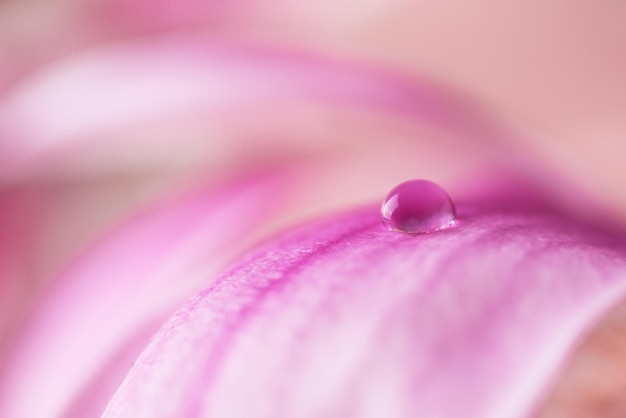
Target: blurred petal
96, 317
342, 318
136, 102
44, 223
18, 234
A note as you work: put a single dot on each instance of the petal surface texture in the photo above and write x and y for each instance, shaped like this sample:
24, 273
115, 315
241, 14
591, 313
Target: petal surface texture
344, 319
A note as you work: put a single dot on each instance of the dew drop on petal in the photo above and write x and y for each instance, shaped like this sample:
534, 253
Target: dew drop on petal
417, 207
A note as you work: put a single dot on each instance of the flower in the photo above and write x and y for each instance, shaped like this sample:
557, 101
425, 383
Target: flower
230, 143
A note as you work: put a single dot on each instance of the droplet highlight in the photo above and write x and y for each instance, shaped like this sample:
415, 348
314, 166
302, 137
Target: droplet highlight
417, 207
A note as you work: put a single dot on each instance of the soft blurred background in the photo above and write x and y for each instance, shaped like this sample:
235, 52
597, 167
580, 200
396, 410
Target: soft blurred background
109, 106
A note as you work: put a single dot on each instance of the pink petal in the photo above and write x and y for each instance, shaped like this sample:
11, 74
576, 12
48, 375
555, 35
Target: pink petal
86, 330
342, 318
139, 100
43, 223
18, 233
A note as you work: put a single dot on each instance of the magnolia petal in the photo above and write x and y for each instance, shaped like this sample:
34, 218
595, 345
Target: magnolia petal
342, 318
98, 315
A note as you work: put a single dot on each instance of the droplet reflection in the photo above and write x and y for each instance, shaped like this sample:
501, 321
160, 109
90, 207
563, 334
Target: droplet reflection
417, 207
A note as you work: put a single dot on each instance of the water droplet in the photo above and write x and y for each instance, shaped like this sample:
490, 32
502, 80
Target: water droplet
417, 207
